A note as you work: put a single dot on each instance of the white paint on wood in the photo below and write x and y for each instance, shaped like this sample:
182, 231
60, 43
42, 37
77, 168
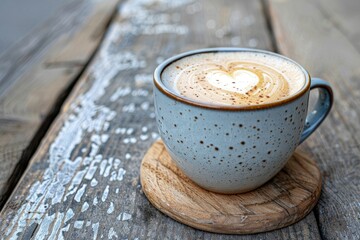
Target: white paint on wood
131, 140
64, 229
124, 216
120, 92
106, 126
144, 79
95, 201
75, 182
140, 92
79, 193
120, 130
117, 163
69, 215
155, 135
95, 138
129, 131
112, 234
92, 169
152, 115
108, 167
105, 194
102, 167
145, 106
44, 227
111, 208
78, 224
144, 137
130, 108
121, 174
56, 226
94, 150
95, 228
104, 138
93, 182
84, 207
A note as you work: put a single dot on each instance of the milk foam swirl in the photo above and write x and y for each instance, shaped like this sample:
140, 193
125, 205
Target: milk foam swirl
230, 80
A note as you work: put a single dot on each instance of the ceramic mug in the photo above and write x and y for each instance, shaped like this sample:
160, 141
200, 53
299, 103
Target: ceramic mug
234, 149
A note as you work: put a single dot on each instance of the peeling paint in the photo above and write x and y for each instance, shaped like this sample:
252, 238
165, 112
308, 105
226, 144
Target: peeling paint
111, 208
78, 224
79, 193
143, 79
84, 207
144, 137
105, 194
124, 216
95, 201
93, 182
121, 174
95, 227
155, 135
120, 92
112, 234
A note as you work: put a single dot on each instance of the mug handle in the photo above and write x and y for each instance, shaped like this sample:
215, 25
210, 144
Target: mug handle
321, 109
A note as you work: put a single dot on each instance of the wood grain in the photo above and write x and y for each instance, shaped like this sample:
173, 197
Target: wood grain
36, 74
83, 181
327, 47
282, 201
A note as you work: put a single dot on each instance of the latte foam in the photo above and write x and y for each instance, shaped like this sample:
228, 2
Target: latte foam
234, 78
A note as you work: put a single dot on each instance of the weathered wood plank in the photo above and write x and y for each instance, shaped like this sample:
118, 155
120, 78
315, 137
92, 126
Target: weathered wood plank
329, 52
83, 182
344, 16
34, 76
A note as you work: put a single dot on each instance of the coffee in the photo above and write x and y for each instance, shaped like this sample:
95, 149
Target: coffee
234, 78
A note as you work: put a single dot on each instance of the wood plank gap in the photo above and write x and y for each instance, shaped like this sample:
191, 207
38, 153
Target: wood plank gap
23, 162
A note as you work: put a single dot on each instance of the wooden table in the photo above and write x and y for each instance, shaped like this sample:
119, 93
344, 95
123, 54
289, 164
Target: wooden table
77, 114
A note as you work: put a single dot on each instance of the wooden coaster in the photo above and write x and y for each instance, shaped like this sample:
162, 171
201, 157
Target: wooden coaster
284, 200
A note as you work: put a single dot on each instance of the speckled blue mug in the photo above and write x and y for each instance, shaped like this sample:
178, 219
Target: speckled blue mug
234, 149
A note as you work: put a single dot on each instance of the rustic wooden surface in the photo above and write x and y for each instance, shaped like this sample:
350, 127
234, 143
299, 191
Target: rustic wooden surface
282, 201
328, 46
35, 75
83, 182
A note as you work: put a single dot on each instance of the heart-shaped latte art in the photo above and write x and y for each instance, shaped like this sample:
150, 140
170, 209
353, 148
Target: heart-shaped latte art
231, 83
239, 81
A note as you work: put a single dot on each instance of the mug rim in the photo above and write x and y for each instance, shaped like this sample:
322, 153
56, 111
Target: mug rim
161, 86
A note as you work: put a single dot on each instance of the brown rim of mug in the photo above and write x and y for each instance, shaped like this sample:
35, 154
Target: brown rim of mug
159, 84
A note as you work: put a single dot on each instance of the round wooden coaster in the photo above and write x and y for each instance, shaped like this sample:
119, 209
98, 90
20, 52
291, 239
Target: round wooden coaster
284, 200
